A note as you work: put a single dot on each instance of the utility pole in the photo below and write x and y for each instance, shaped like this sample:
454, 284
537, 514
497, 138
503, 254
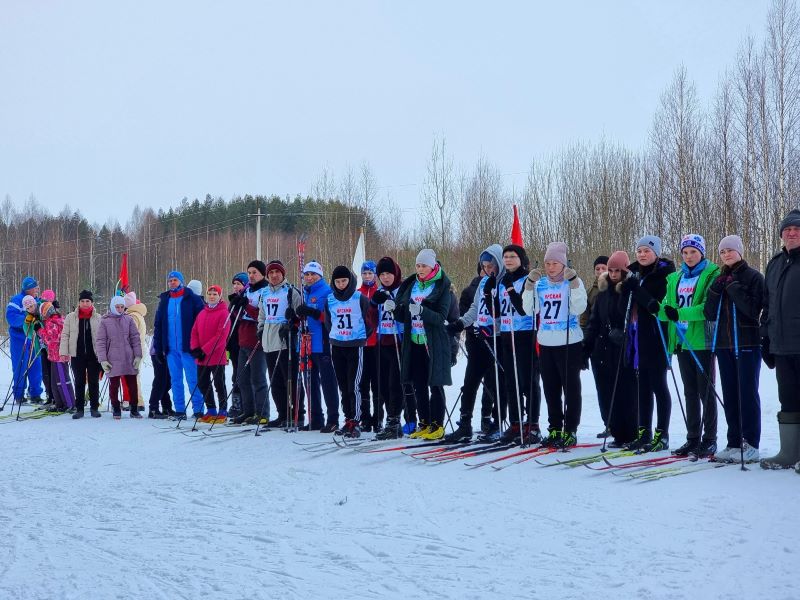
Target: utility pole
258, 216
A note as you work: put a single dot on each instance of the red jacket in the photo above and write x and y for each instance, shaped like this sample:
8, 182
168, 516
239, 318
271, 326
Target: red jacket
369, 292
210, 332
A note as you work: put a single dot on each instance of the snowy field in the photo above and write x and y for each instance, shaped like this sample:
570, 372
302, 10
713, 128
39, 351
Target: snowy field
103, 509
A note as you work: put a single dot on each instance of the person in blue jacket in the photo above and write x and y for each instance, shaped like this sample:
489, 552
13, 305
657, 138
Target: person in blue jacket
177, 310
315, 295
22, 351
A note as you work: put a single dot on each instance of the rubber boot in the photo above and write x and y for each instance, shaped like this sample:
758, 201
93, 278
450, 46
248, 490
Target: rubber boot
789, 431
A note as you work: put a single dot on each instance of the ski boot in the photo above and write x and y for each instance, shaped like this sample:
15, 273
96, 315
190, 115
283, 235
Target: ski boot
660, 442
641, 443
433, 433
690, 447
421, 429
706, 449
154, 414
392, 431
462, 434
78, 414
553, 439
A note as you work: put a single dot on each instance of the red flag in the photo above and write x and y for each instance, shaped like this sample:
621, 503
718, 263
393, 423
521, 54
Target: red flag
123, 284
516, 230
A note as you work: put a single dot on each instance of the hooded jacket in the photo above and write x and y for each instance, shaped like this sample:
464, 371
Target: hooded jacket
209, 333
118, 343
478, 303
368, 312
316, 296
138, 312
697, 334
166, 328
270, 332
50, 334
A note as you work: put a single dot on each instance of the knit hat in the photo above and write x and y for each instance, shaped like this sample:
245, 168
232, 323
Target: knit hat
520, 252
29, 283
650, 241
385, 265
694, 240
368, 265
177, 275
790, 220
600, 260
313, 267
215, 288
241, 278
259, 266
619, 260
117, 301
426, 257
46, 308
732, 242
48, 295
27, 301
340, 272
195, 286
556, 251
130, 299
86, 295
276, 265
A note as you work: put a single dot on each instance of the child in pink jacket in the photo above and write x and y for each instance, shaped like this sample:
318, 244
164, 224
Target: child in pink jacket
208, 341
50, 336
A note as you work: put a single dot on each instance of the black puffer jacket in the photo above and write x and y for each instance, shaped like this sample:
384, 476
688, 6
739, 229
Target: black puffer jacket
605, 330
743, 286
652, 288
780, 319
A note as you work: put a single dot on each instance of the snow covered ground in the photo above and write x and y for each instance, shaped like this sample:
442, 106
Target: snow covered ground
103, 509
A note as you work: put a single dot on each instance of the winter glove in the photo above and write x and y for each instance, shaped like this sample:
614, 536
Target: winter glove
389, 305
490, 285
630, 284
304, 310
720, 283
616, 336
259, 332
516, 301
415, 309
507, 280
653, 307
106, 366
379, 297
240, 301
766, 355
283, 332
197, 353
137, 362
571, 276
532, 279
290, 314
455, 327
671, 312
37, 325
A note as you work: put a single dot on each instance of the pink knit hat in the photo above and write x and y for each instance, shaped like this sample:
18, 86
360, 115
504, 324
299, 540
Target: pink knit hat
619, 260
48, 295
556, 251
130, 299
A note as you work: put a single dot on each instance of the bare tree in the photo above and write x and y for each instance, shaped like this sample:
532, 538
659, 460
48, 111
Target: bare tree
439, 194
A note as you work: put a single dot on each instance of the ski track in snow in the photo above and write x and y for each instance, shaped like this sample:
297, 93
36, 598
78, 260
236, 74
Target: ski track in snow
108, 510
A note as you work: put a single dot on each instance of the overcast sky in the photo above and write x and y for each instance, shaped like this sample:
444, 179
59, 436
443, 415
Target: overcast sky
107, 104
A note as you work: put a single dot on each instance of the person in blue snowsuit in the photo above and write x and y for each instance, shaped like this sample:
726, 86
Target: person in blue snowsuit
22, 348
177, 310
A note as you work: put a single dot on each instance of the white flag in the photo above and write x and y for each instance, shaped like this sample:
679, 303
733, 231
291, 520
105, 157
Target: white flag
358, 258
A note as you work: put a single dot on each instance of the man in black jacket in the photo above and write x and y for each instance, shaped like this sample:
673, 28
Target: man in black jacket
780, 344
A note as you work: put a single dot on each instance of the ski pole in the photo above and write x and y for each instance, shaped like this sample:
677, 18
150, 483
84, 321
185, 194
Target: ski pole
494, 354
266, 394
670, 369
616, 376
713, 349
452, 410
24, 377
15, 381
239, 377
738, 384
516, 374
566, 372
708, 377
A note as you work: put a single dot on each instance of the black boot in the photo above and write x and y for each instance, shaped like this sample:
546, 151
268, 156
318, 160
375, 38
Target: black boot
462, 434
78, 414
392, 431
154, 414
690, 447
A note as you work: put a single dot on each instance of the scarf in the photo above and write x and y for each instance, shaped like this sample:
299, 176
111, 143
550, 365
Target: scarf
431, 275
176, 293
85, 313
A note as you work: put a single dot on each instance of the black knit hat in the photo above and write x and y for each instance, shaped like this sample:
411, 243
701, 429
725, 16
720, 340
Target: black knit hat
340, 272
519, 251
259, 266
600, 260
85, 295
790, 220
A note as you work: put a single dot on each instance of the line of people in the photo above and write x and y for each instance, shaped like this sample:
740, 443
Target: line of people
383, 351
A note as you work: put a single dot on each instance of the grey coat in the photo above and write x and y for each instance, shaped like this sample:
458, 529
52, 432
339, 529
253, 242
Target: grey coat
118, 343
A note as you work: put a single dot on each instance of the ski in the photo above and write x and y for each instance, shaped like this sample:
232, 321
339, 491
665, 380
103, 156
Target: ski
654, 461
586, 459
224, 434
33, 415
527, 454
654, 475
468, 453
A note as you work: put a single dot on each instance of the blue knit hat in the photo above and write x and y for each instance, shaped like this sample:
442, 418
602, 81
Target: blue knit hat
241, 278
29, 283
177, 275
694, 240
368, 265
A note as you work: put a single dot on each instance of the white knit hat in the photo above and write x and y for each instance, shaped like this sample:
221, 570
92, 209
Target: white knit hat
426, 257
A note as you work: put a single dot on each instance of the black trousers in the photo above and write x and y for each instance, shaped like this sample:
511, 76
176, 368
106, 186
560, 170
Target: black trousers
617, 405
481, 369
391, 388
348, 362
162, 383
205, 374
561, 374
369, 381
430, 400
527, 370
746, 371
86, 370
787, 370
282, 374
46, 375
653, 384
701, 404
